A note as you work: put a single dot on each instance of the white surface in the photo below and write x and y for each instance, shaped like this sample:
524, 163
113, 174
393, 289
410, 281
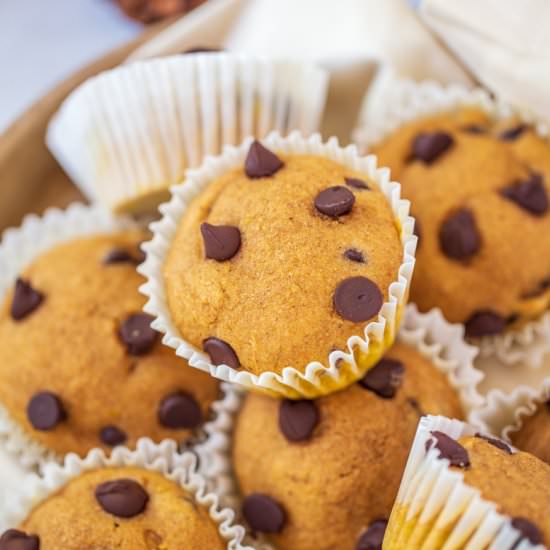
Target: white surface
44, 41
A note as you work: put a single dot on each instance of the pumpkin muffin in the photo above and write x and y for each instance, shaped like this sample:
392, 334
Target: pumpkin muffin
479, 193
126, 508
324, 473
534, 434
281, 260
80, 365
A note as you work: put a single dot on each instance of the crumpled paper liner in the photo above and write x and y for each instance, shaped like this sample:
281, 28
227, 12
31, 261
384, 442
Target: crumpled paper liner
316, 378
128, 134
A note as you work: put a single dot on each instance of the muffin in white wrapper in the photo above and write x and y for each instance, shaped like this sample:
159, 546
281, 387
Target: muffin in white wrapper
436, 339
521, 417
526, 342
323, 375
128, 134
435, 508
181, 469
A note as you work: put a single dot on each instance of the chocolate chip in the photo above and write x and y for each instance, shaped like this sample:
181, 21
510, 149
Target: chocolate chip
357, 184
513, 133
112, 436
25, 299
540, 289
13, 539
221, 353
179, 410
529, 194
499, 444
450, 449
474, 129
429, 146
415, 405
385, 378
484, 323
221, 242
45, 411
202, 49
528, 531
373, 537
261, 162
124, 498
458, 237
335, 201
263, 513
137, 334
357, 299
354, 255
121, 256
297, 419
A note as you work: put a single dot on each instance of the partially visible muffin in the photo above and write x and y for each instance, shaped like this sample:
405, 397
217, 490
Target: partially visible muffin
479, 193
534, 434
80, 366
324, 473
126, 508
279, 261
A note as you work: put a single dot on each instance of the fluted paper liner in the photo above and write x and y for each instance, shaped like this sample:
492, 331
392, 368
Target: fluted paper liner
316, 378
505, 413
18, 248
409, 101
436, 339
128, 134
435, 508
162, 458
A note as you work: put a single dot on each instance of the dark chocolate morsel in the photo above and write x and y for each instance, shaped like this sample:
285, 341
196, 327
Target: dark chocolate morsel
263, 513
124, 498
13, 539
449, 448
528, 531
513, 133
180, 410
427, 147
498, 443
354, 255
385, 378
112, 436
335, 201
297, 419
121, 256
45, 411
372, 538
221, 242
459, 238
25, 299
357, 184
221, 353
261, 162
136, 333
484, 323
357, 299
474, 129
529, 194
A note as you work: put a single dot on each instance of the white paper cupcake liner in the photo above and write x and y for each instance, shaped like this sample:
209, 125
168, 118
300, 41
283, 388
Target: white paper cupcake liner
436, 509
18, 248
128, 134
316, 378
408, 101
505, 413
436, 339
162, 458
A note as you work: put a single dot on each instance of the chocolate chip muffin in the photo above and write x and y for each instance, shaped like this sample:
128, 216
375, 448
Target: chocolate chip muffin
324, 473
126, 508
534, 434
281, 260
80, 365
479, 193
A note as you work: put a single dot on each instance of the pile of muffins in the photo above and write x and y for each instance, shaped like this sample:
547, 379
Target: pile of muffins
248, 372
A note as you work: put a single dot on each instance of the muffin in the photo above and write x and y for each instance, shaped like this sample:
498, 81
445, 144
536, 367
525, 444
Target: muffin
479, 191
277, 261
463, 489
80, 365
533, 436
128, 508
324, 473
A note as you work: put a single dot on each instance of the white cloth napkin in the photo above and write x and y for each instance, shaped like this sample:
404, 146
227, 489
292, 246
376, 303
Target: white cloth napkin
504, 43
